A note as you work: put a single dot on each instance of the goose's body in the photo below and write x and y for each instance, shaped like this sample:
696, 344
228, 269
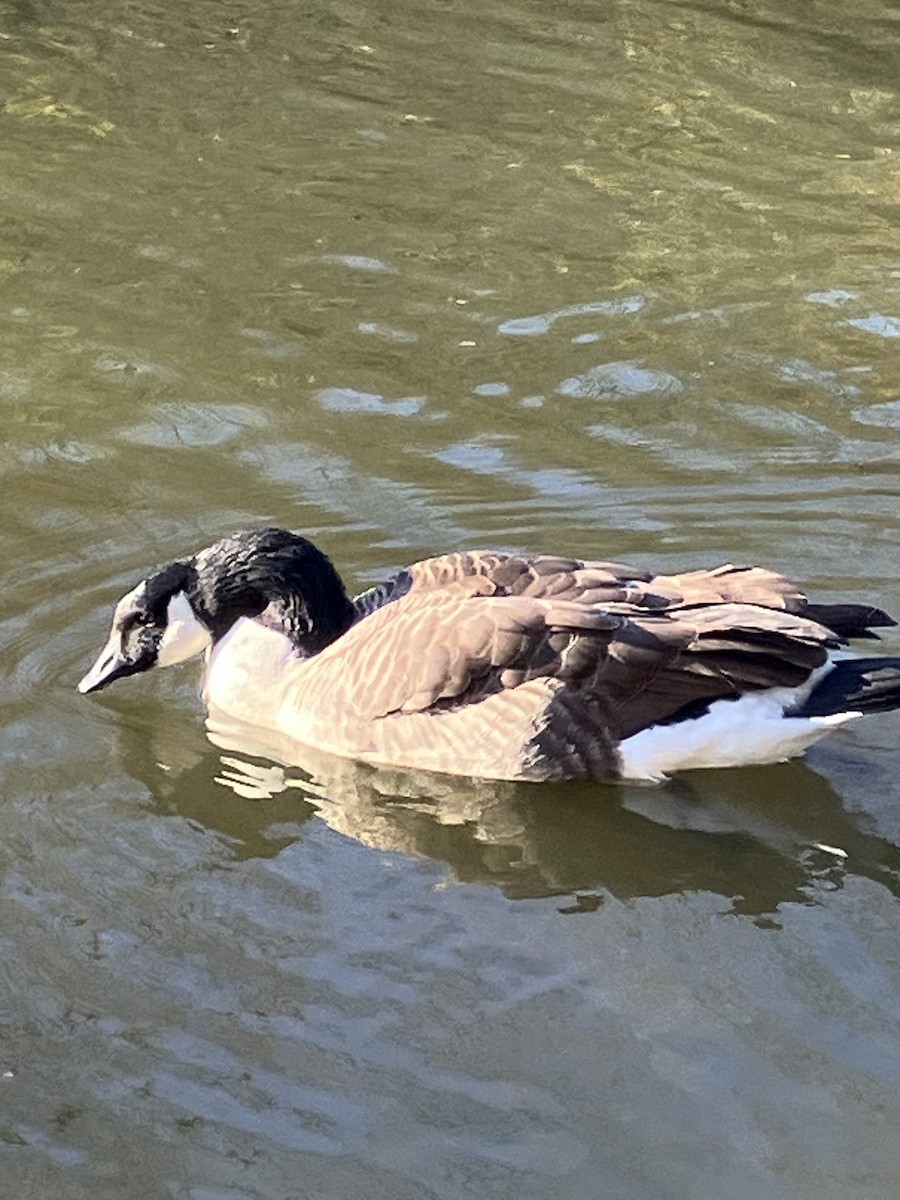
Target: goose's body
501, 666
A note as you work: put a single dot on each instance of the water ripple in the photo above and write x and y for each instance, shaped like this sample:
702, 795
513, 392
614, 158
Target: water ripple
543, 322
619, 379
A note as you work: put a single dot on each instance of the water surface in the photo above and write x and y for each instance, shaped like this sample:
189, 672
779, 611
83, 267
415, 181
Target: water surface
619, 280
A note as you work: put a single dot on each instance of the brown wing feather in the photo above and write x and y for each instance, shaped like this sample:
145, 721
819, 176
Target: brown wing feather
434, 646
732, 649
495, 573
438, 645
734, 585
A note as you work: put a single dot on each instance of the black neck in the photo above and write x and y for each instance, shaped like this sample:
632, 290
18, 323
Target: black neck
277, 576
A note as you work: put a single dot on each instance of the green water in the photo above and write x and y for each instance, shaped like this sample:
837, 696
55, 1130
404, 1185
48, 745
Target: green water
609, 279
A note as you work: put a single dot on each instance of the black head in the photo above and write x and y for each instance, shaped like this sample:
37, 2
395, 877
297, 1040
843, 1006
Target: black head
146, 623
183, 608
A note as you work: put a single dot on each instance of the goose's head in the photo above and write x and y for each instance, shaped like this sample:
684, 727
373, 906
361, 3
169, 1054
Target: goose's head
185, 607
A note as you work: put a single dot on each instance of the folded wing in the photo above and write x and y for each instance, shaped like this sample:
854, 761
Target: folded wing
625, 663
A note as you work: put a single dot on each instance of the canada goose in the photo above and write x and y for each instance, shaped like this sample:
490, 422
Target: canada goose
504, 666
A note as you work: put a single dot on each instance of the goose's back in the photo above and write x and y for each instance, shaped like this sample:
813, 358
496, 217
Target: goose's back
494, 573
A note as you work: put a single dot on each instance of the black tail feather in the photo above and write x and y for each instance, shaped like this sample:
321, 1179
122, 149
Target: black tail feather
867, 685
849, 620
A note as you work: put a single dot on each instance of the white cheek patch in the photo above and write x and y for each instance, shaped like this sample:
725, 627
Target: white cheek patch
184, 636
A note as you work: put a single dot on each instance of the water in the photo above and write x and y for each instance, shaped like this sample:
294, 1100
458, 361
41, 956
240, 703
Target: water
617, 280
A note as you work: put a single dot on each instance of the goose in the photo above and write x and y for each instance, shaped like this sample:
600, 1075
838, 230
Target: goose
504, 666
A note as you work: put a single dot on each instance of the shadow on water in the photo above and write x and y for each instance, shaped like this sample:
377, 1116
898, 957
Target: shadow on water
759, 837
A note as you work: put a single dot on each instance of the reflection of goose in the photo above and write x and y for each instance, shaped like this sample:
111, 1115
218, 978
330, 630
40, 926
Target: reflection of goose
725, 833
504, 667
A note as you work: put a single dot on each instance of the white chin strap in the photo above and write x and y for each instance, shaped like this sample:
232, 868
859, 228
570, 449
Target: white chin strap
185, 636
